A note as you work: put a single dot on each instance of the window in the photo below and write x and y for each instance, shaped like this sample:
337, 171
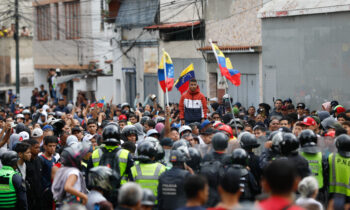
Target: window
72, 16
43, 22
57, 23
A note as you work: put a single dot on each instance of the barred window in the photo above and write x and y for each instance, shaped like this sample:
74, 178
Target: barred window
72, 16
43, 16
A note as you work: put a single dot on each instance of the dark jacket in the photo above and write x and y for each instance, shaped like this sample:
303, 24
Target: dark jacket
19, 186
33, 178
255, 169
171, 193
212, 167
193, 106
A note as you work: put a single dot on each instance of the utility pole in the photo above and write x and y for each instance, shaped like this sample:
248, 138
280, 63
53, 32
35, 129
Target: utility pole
16, 36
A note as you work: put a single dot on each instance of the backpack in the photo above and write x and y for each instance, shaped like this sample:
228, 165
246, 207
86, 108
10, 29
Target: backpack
212, 170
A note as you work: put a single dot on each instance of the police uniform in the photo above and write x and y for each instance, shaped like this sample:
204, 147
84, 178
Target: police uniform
13, 195
124, 160
171, 193
147, 175
339, 174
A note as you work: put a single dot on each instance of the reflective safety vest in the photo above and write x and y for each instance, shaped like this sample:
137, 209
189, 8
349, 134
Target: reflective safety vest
8, 197
339, 174
147, 175
122, 155
315, 165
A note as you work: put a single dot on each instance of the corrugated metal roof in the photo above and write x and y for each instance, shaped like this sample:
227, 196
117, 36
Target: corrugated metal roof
233, 48
281, 8
173, 25
135, 13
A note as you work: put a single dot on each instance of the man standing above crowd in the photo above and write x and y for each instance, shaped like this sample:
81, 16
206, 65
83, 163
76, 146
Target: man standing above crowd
193, 105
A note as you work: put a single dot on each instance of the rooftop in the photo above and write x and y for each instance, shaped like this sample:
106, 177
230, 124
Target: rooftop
282, 8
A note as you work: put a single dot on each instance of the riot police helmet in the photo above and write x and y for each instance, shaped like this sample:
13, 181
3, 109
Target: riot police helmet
219, 141
342, 143
111, 135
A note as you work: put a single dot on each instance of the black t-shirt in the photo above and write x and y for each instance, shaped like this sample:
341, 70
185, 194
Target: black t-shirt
65, 92
42, 93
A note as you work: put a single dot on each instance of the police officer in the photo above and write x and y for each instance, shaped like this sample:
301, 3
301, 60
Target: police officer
248, 143
272, 152
147, 171
213, 165
318, 163
250, 187
195, 159
219, 143
13, 192
111, 154
289, 149
101, 179
129, 133
339, 172
171, 193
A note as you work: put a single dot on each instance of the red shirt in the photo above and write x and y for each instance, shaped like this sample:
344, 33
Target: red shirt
277, 203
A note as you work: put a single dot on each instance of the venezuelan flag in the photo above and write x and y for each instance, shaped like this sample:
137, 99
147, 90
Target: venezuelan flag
235, 75
186, 75
100, 103
169, 69
225, 66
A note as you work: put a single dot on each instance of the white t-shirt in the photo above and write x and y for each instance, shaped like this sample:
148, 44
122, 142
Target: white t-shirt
75, 172
304, 202
22, 169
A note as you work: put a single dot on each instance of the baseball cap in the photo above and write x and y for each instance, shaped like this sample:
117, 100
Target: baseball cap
47, 127
205, 123
88, 137
309, 121
24, 135
301, 105
37, 132
208, 131
152, 132
288, 100
167, 142
20, 116
339, 109
122, 117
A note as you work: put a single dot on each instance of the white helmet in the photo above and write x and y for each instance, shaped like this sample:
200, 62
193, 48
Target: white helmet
184, 128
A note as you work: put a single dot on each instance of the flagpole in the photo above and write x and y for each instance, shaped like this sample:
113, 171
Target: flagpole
166, 85
226, 85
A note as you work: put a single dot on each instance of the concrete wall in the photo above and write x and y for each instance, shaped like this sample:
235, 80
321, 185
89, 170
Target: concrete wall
234, 22
63, 51
307, 58
103, 88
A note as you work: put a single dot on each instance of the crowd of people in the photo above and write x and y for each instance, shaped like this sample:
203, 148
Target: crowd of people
198, 154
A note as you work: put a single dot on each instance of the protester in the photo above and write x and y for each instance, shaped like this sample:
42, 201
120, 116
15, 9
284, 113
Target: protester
280, 181
130, 196
160, 147
308, 189
196, 191
193, 105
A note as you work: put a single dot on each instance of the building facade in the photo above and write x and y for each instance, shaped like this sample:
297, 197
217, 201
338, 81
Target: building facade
306, 46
